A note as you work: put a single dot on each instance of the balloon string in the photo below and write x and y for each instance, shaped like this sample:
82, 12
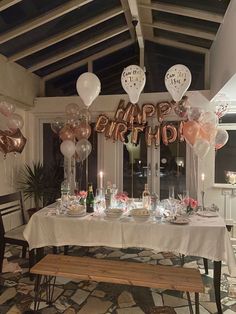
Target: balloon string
5, 167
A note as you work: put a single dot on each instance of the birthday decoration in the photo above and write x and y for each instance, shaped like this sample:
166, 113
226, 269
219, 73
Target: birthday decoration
133, 80
11, 138
88, 87
177, 81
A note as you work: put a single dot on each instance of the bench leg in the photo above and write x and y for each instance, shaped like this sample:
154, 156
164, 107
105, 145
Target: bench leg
205, 262
196, 303
37, 293
189, 303
217, 279
50, 284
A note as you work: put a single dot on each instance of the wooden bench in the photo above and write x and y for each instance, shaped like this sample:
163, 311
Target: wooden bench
119, 272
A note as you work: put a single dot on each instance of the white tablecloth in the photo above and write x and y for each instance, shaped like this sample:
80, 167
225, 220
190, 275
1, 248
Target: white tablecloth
203, 237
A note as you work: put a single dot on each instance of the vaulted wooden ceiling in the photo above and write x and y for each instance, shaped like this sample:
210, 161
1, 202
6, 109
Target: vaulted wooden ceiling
60, 39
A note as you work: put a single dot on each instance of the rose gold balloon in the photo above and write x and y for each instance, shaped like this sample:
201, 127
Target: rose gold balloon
152, 136
12, 141
169, 134
15, 121
120, 130
180, 131
191, 131
110, 129
101, 124
67, 133
83, 130
163, 109
207, 132
135, 132
148, 110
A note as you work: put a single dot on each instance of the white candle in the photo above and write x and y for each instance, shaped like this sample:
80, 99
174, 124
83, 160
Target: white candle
101, 179
203, 179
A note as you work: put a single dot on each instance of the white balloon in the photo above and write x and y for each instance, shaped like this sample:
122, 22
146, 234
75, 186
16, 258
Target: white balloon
177, 81
88, 87
133, 80
201, 148
67, 148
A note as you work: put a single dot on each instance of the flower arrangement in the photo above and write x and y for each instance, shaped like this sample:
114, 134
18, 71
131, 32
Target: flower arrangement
190, 203
82, 195
122, 197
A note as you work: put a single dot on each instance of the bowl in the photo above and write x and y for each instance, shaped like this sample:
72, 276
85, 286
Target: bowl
140, 214
76, 210
113, 212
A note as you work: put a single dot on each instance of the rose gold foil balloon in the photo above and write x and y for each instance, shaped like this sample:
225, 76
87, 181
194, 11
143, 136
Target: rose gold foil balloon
152, 135
15, 121
120, 130
110, 129
163, 109
83, 130
57, 124
67, 133
12, 141
169, 134
6, 108
148, 110
191, 131
135, 133
101, 124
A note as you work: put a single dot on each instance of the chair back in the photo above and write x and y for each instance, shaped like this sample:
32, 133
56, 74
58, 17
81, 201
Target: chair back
11, 212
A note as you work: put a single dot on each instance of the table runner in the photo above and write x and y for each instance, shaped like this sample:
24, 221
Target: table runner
202, 237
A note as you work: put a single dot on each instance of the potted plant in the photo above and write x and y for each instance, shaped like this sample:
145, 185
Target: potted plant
32, 184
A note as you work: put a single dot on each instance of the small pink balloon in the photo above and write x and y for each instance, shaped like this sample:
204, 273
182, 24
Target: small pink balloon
15, 121
83, 130
6, 108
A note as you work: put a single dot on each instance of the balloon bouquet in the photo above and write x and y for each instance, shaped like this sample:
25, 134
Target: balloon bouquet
11, 138
200, 130
75, 130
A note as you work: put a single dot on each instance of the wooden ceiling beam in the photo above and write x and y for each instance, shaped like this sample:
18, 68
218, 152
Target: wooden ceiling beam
78, 48
5, 4
184, 11
177, 44
189, 31
42, 19
128, 17
94, 57
138, 29
66, 34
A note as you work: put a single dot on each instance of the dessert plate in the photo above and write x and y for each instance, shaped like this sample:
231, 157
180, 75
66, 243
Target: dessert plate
180, 221
207, 214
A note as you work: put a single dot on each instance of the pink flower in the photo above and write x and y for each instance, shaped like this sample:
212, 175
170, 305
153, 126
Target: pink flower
193, 203
186, 201
123, 197
83, 194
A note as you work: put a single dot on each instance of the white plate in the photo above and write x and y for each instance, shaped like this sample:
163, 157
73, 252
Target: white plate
180, 221
76, 214
207, 214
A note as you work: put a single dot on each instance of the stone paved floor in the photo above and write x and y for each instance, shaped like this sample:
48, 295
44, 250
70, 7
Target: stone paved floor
16, 289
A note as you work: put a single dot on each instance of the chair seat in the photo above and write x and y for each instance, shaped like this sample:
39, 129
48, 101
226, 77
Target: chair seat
16, 233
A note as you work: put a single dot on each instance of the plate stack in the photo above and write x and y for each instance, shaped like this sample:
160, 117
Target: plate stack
140, 214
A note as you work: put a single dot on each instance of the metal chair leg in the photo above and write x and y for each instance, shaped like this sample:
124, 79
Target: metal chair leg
196, 303
189, 303
37, 293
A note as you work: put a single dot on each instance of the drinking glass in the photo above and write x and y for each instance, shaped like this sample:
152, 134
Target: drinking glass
171, 192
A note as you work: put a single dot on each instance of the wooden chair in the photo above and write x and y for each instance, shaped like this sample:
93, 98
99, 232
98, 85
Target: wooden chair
12, 224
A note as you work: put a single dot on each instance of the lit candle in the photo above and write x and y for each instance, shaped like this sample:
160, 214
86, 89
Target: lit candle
203, 179
101, 179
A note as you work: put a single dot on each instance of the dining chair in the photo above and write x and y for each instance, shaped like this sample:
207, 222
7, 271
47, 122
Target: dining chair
12, 225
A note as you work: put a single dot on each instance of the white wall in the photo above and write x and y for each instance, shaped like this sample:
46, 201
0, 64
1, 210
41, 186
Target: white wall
223, 52
19, 87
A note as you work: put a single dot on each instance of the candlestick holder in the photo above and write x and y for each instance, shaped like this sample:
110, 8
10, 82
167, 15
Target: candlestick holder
203, 203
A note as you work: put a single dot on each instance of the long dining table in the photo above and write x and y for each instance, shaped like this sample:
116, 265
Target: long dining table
201, 237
